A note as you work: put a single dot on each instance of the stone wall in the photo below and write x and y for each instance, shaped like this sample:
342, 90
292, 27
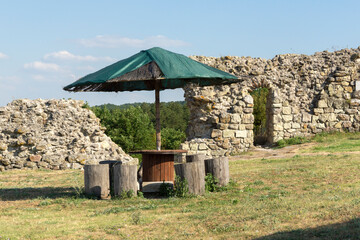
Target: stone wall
307, 95
53, 134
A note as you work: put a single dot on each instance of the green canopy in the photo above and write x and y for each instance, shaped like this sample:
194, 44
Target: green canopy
139, 71
153, 69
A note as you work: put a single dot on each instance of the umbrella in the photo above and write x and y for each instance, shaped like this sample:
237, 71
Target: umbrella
153, 69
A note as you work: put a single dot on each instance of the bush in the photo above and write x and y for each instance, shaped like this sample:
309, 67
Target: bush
130, 128
210, 183
260, 97
172, 138
180, 188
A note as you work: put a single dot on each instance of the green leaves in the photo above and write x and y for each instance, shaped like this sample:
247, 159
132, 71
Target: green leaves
130, 128
133, 126
260, 97
172, 138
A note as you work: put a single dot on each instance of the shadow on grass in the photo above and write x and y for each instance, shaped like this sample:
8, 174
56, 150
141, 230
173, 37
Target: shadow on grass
13, 194
348, 230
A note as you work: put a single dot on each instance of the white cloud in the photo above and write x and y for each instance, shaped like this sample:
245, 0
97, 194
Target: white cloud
37, 65
3, 55
65, 55
115, 42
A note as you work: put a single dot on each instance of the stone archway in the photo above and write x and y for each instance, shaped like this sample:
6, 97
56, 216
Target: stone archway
262, 92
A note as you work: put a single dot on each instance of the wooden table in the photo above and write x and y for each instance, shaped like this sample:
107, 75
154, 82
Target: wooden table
158, 166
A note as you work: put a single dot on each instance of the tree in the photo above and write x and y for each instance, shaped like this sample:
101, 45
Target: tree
129, 128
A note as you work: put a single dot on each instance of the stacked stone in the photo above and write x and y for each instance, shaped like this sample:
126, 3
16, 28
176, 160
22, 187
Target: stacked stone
307, 95
53, 134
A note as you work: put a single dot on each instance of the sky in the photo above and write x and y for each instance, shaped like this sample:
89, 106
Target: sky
48, 44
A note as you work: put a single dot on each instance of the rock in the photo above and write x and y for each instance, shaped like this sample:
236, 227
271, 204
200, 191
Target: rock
322, 104
35, 158
228, 133
286, 110
44, 133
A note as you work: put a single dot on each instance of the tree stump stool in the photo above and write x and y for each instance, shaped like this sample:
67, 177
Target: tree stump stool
219, 168
125, 179
194, 173
96, 179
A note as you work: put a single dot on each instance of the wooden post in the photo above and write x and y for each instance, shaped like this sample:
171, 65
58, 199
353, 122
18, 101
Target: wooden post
96, 179
125, 178
219, 168
157, 114
194, 174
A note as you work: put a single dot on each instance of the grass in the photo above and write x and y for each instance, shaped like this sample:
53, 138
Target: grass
337, 142
303, 197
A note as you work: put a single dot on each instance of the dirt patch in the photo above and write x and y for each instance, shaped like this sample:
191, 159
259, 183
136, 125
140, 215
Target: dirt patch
286, 152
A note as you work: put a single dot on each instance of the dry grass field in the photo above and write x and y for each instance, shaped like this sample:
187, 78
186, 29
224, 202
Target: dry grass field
313, 194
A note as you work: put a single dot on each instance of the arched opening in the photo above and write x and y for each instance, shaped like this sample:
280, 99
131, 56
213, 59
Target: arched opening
261, 115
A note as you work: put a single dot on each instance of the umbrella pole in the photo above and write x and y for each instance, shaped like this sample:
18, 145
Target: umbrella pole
157, 114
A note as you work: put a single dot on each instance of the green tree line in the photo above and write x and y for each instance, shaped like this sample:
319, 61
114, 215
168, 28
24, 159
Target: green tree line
132, 126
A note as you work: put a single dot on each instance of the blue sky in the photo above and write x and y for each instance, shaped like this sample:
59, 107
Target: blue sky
45, 45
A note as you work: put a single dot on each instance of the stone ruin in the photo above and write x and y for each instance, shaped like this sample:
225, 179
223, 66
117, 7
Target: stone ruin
307, 95
53, 134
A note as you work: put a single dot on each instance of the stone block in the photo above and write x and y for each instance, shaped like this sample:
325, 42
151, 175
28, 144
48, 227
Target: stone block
235, 118
185, 146
5, 162
203, 146
287, 118
242, 126
3, 147
278, 127
328, 110
31, 165
216, 133
306, 117
222, 126
322, 104
248, 118
213, 146
35, 158
241, 134
224, 118
318, 111
237, 109
228, 133
248, 110
348, 89
286, 110
347, 124
287, 126
351, 111
295, 125
248, 99
194, 146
